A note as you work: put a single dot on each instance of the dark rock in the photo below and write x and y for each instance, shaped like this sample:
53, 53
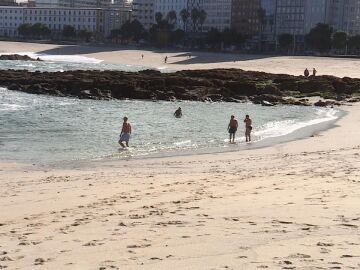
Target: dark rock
18, 57
230, 85
320, 103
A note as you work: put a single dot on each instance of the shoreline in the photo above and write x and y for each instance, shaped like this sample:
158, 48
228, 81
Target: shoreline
178, 60
298, 135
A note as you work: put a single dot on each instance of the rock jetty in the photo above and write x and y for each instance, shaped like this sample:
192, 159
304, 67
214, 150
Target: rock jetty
18, 57
228, 85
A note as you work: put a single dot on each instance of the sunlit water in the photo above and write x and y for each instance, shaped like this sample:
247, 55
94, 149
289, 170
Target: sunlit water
42, 129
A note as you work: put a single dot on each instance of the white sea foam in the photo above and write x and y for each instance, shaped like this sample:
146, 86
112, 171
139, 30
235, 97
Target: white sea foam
284, 127
60, 58
11, 107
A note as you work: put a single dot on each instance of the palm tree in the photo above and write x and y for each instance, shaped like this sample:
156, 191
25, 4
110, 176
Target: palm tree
158, 17
202, 18
194, 18
184, 14
171, 17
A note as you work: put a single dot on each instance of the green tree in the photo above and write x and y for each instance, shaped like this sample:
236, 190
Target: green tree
85, 34
132, 30
213, 38
185, 15
177, 36
25, 30
319, 38
115, 34
285, 41
40, 30
228, 37
354, 43
339, 40
68, 32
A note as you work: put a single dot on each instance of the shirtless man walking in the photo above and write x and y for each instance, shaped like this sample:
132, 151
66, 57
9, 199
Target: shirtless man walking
248, 128
232, 128
125, 133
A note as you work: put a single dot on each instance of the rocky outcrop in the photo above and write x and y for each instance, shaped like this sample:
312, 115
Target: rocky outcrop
18, 57
228, 85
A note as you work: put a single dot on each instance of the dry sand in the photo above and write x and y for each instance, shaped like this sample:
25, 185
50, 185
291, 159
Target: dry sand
179, 60
291, 206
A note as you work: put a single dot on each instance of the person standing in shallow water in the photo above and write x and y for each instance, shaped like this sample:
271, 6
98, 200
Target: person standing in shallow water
232, 128
248, 128
178, 113
125, 133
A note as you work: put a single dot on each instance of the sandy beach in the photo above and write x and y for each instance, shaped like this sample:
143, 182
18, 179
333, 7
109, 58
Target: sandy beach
199, 60
294, 205
290, 206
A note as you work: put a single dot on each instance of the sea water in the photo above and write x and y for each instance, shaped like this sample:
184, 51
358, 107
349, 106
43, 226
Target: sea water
52, 63
44, 129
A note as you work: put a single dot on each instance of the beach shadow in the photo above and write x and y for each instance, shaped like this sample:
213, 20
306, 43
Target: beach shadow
196, 56
78, 50
213, 57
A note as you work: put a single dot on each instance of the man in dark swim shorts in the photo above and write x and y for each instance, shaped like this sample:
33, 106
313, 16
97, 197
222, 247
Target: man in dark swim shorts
248, 128
232, 128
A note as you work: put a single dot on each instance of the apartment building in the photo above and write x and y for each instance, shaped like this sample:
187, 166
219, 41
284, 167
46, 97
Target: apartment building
218, 14
344, 15
143, 11
73, 3
115, 17
93, 19
245, 16
8, 3
56, 18
10, 19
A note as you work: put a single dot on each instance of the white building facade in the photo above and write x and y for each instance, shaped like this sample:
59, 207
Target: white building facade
73, 3
144, 12
56, 18
114, 19
10, 19
96, 20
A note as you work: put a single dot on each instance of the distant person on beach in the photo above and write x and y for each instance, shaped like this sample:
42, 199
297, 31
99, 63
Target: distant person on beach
306, 73
125, 133
178, 113
142, 56
248, 128
165, 60
232, 128
314, 72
